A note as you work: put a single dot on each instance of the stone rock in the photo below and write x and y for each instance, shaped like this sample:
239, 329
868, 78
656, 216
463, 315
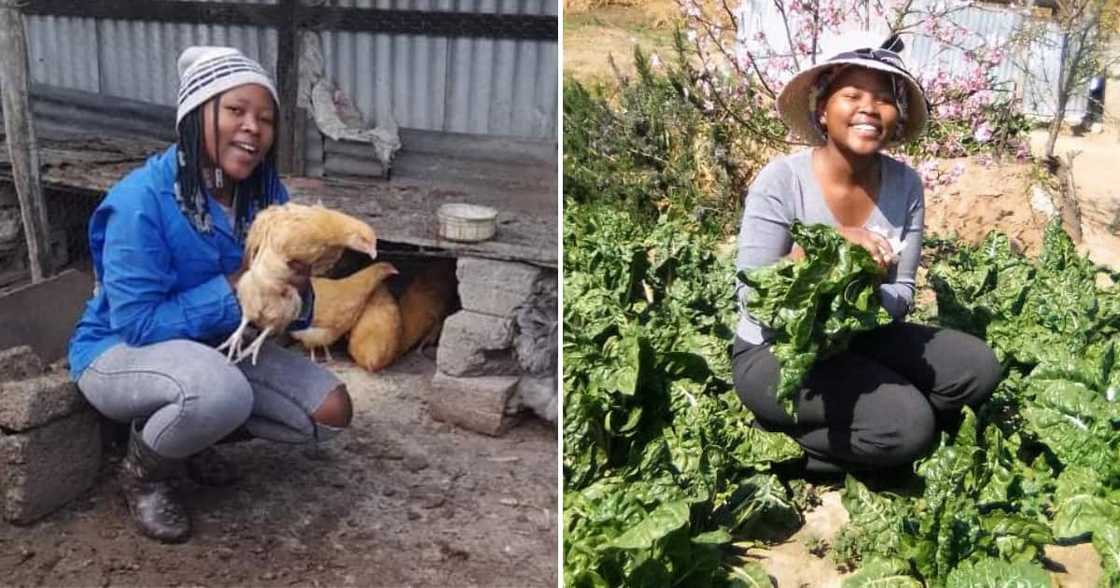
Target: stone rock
474, 344
32, 402
1043, 202
536, 342
18, 363
538, 395
478, 404
46, 467
495, 287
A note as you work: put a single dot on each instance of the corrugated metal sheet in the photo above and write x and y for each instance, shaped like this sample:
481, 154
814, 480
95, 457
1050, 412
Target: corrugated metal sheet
1032, 74
493, 87
482, 86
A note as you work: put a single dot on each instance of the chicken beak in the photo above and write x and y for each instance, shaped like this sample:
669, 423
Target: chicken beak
373, 251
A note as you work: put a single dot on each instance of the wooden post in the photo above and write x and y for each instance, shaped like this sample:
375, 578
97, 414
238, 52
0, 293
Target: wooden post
289, 148
24, 154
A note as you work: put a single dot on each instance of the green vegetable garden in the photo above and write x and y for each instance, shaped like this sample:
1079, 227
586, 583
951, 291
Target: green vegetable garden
666, 482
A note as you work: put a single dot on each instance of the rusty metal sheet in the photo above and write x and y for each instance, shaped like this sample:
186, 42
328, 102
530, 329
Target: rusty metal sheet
43, 315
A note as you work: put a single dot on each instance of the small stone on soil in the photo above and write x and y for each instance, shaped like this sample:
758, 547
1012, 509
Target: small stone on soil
415, 463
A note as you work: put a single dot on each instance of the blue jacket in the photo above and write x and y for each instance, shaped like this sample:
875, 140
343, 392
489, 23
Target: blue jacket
157, 278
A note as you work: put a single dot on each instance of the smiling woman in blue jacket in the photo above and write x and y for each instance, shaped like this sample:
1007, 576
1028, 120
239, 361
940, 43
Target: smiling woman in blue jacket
167, 246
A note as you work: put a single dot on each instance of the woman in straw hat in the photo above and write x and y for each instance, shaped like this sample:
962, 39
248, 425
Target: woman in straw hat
879, 403
167, 246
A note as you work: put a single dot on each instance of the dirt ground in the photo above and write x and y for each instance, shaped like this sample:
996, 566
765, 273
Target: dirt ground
613, 29
397, 500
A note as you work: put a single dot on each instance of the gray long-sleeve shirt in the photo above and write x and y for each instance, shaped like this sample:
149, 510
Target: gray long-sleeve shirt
786, 190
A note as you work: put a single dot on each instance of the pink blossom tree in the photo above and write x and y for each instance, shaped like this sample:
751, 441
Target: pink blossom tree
741, 71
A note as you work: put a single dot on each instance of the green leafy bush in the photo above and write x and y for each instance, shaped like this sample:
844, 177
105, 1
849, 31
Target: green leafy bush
662, 467
649, 146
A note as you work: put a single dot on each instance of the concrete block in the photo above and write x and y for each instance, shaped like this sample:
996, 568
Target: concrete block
32, 402
495, 287
474, 344
538, 395
44, 468
478, 404
17, 363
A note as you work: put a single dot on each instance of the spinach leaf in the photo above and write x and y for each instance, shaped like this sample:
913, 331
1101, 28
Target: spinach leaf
814, 306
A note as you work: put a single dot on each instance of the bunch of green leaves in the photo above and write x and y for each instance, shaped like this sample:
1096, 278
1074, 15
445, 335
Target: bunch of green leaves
814, 306
663, 471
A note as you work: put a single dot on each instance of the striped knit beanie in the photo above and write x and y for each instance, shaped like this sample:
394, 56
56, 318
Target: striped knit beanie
205, 72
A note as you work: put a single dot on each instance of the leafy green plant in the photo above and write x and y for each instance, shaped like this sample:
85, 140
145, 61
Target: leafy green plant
649, 146
814, 306
663, 471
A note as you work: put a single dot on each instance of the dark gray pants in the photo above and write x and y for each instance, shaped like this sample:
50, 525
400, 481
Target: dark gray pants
877, 404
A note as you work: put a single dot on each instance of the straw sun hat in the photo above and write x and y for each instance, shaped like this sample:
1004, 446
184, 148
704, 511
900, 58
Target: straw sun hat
797, 101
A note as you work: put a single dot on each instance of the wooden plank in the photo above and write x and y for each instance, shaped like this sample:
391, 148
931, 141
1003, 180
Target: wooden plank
404, 213
325, 18
43, 315
18, 127
525, 27
287, 85
480, 147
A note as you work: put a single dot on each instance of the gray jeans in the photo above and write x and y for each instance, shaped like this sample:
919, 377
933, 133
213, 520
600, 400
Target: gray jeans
192, 396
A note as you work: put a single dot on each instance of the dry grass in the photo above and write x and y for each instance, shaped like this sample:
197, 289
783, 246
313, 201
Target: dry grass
571, 6
654, 13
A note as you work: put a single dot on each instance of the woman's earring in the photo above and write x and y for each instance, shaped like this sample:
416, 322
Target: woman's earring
217, 177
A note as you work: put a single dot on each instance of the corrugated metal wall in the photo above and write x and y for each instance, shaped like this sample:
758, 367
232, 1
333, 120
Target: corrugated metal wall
1032, 74
492, 87
484, 86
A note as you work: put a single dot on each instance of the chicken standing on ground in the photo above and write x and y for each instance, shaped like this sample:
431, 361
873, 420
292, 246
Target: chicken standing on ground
425, 303
375, 339
338, 304
279, 237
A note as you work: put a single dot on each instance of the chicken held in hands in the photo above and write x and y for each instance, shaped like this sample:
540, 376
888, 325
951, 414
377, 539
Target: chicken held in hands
339, 304
281, 239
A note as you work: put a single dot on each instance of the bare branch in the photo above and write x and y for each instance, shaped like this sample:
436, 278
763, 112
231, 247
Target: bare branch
780, 5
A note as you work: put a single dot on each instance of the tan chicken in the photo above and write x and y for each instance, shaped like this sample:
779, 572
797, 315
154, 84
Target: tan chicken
425, 303
375, 339
279, 235
338, 304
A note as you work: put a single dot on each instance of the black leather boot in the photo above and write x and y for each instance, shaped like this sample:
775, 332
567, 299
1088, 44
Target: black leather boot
145, 482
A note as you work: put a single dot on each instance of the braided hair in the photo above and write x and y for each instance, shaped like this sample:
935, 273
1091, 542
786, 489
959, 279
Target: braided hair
249, 195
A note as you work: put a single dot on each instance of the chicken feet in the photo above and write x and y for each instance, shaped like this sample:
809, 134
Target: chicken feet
236, 353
